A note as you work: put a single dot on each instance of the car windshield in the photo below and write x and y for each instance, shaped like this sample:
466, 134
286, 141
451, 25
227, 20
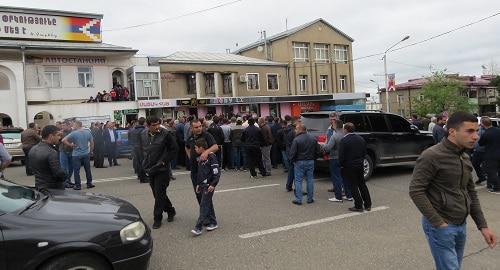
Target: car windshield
12, 136
14, 197
316, 122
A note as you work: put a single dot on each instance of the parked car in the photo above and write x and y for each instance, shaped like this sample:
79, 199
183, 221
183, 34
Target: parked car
124, 148
495, 122
12, 142
59, 229
391, 139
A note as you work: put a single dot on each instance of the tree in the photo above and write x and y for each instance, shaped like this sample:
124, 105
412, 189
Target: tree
496, 82
442, 93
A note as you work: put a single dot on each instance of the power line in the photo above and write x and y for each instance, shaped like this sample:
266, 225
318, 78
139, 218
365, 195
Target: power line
431, 38
173, 18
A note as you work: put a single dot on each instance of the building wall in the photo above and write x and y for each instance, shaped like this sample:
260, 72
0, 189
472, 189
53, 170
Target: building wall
174, 84
282, 51
12, 100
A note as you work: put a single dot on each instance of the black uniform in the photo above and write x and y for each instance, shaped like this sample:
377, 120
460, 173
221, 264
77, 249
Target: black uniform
158, 150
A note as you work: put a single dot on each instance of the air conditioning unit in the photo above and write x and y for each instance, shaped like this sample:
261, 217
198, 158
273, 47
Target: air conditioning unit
243, 78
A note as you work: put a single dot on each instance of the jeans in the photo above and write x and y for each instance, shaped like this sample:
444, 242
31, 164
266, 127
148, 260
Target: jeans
237, 156
207, 212
304, 168
159, 184
447, 244
337, 180
78, 161
266, 158
286, 162
290, 177
66, 161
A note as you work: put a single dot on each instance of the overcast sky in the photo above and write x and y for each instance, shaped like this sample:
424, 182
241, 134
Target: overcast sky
374, 26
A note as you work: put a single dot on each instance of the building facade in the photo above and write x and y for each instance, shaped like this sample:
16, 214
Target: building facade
478, 89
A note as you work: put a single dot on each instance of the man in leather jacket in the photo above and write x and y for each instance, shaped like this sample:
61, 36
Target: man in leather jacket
159, 148
44, 160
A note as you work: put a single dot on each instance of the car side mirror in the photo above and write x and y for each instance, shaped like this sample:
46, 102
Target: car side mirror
414, 129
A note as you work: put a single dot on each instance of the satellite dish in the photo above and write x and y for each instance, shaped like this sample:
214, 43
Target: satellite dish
260, 49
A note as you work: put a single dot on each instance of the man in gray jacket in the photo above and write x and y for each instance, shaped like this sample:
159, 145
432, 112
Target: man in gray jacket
442, 188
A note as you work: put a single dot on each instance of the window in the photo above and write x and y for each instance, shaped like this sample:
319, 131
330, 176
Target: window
356, 119
300, 52
399, 124
340, 53
53, 77
191, 84
321, 52
272, 82
303, 83
343, 83
401, 99
227, 84
378, 123
85, 78
253, 81
323, 83
4, 82
147, 85
209, 84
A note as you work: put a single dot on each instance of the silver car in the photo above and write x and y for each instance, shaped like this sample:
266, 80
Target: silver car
12, 142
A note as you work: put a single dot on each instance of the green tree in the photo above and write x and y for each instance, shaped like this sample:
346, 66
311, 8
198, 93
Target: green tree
441, 93
496, 82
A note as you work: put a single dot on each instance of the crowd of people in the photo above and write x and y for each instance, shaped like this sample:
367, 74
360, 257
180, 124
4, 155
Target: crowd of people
118, 93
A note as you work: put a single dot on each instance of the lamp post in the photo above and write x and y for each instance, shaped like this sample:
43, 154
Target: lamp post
385, 72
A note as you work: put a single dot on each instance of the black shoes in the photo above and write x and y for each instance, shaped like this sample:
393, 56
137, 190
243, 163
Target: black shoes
331, 190
368, 209
354, 209
91, 186
296, 202
311, 201
171, 214
156, 225
289, 189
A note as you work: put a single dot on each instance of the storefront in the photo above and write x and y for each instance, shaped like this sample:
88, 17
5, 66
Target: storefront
163, 108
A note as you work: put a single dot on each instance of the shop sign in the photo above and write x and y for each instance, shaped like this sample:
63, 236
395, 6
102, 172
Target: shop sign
158, 103
47, 27
67, 60
227, 100
132, 111
300, 107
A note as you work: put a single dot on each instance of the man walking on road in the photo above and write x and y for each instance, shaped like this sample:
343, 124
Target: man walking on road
303, 153
479, 151
352, 152
44, 161
98, 135
110, 142
134, 139
444, 193
29, 138
490, 140
252, 140
81, 141
267, 135
159, 149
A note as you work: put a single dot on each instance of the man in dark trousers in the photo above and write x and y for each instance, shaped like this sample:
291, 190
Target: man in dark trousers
218, 135
438, 132
29, 138
197, 132
265, 148
110, 138
98, 135
252, 140
303, 153
491, 143
44, 160
352, 152
443, 190
159, 149
134, 139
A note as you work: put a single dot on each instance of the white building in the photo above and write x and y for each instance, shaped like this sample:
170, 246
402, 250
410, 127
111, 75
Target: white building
52, 61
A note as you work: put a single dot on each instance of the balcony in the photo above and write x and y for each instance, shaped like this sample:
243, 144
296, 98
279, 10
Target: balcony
40, 94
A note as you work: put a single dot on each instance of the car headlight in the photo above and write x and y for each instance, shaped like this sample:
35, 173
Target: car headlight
132, 232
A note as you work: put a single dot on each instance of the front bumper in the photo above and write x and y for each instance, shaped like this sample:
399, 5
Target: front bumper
133, 256
140, 262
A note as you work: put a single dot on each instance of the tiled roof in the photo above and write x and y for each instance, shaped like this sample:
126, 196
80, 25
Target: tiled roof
58, 45
215, 58
291, 32
468, 81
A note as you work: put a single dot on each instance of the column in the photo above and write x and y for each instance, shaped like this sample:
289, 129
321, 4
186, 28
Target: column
218, 84
234, 83
218, 110
200, 85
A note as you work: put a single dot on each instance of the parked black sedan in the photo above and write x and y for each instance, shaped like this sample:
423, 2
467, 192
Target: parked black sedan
61, 230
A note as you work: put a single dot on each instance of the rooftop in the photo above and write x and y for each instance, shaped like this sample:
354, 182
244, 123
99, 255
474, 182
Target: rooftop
468, 81
215, 59
291, 32
62, 45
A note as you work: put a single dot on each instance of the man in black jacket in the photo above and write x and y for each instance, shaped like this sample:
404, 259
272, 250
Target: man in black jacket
252, 140
44, 160
110, 142
98, 135
352, 152
134, 139
303, 153
159, 148
218, 135
491, 142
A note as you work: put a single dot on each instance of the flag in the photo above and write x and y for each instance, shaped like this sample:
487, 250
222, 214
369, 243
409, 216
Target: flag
391, 82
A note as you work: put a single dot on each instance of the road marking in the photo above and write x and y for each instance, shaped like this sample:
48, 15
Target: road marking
245, 188
123, 178
309, 223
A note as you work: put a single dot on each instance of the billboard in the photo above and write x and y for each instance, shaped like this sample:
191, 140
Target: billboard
48, 27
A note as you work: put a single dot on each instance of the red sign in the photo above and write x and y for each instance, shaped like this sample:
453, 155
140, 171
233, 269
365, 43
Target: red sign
300, 107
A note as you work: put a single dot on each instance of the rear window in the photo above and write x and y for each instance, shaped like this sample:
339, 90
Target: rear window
356, 119
316, 122
399, 124
378, 123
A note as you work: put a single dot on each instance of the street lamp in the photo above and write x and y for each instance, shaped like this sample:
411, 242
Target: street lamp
385, 72
378, 86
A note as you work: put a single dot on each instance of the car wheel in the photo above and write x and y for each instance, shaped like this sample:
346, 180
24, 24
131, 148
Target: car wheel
77, 261
367, 167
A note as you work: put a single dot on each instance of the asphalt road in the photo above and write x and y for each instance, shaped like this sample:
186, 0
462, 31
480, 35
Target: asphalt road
259, 227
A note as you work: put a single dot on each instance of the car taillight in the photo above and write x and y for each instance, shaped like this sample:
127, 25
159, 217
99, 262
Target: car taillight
321, 138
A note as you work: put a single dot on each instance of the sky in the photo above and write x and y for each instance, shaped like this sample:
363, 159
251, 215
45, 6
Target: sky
374, 26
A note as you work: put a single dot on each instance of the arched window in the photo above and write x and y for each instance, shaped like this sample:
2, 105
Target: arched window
4, 82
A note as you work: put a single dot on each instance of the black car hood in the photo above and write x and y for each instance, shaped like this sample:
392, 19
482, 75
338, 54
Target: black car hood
64, 205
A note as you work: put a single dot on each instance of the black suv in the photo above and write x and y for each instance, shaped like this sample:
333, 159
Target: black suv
391, 139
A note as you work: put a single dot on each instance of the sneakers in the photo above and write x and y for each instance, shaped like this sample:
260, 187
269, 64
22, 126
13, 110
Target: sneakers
494, 191
212, 227
196, 232
335, 200
347, 199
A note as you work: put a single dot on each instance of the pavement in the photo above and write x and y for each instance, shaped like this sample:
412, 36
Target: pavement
259, 227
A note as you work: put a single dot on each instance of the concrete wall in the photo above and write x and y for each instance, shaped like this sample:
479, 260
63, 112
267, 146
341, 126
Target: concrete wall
12, 100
